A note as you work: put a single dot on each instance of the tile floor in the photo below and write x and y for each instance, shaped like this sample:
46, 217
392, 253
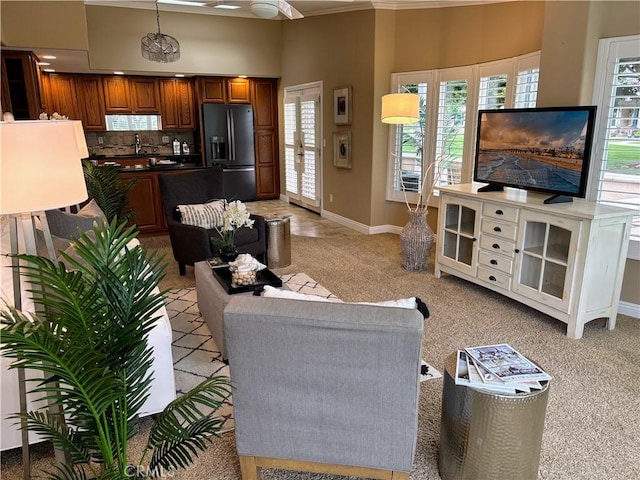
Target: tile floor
303, 222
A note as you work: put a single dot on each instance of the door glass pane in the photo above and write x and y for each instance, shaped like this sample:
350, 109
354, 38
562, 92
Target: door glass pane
467, 220
450, 245
530, 271
553, 279
558, 243
465, 250
534, 236
452, 216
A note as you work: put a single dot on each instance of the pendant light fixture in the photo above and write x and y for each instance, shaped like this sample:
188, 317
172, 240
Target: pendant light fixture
158, 47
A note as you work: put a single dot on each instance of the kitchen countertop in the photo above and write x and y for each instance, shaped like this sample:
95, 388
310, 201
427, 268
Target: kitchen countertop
162, 168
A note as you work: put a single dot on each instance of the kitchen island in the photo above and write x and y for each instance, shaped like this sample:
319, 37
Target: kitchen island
144, 198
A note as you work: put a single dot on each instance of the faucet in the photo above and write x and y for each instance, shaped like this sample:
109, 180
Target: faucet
138, 146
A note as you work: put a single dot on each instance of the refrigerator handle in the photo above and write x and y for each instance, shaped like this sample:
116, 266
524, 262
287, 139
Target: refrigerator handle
231, 134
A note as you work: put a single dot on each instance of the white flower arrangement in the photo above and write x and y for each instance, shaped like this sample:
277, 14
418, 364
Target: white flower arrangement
235, 215
54, 116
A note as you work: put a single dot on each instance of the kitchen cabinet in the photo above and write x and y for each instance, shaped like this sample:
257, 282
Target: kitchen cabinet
145, 202
238, 90
177, 106
117, 96
265, 124
131, 95
20, 85
566, 260
224, 90
90, 96
61, 96
145, 95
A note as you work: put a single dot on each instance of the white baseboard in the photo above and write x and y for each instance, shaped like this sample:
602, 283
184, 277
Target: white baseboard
630, 309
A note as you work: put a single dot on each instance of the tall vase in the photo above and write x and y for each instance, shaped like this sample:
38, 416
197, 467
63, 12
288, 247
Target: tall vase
416, 240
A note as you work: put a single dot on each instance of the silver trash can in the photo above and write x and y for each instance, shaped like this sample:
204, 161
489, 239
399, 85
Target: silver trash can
278, 241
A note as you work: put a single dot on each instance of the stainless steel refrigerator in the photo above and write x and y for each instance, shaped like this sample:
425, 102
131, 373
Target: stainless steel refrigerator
228, 143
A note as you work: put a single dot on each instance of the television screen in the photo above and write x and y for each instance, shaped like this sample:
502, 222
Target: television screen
542, 149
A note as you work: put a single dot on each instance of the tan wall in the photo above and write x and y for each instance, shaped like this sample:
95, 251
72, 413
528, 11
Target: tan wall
222, 45
456, 36
56, 25
338, 50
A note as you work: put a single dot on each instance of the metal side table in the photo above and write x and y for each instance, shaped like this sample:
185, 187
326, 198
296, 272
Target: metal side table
485, 435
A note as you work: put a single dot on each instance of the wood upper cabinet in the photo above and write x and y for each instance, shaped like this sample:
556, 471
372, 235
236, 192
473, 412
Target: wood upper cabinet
91, 102
61, 96
238, 90
117, 96
145, 95
265, 103
20, 85
224, 90
212, 90
176, 100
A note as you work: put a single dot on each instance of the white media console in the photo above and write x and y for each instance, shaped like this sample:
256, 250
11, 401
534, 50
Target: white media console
566, 260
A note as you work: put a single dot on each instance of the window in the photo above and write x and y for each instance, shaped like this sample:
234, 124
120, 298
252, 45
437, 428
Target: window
438, 150
615, 170
133, 123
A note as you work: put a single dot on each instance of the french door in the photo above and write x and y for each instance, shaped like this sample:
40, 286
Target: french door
302, 145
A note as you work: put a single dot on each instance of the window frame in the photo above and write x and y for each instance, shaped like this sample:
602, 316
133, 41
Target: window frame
608, 51
433, 78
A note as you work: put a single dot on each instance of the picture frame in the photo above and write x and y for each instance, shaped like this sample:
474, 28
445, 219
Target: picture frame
342, 149
342, 105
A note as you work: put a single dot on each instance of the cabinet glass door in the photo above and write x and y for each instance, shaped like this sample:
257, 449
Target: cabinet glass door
546, 254
458, 243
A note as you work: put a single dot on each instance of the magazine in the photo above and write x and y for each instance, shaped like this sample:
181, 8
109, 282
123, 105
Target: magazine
507, 364
468, 374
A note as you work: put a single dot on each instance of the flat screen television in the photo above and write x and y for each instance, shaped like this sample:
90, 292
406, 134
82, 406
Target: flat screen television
541, 149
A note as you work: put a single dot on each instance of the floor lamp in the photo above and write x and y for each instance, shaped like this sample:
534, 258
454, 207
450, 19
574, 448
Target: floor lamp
40, 169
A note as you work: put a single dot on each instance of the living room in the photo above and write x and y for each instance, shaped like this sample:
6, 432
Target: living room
362, 49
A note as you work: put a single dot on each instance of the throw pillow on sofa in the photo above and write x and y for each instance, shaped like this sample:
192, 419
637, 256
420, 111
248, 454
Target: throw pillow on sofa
66, 225
206, 215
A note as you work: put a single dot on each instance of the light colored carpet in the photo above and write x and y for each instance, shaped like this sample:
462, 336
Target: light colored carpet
592, 424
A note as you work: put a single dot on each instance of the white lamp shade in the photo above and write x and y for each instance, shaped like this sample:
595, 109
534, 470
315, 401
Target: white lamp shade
40, 167
400, 108
264, 8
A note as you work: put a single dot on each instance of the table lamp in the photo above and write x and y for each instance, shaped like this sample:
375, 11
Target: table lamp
40, 169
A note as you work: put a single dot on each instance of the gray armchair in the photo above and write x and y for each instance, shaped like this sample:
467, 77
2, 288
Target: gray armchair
324, 387
191, 244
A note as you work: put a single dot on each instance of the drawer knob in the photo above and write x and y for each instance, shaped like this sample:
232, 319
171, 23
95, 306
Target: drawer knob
493, 262
492, 278
517, 250
497, 229
495, 245
499, 212
474, 239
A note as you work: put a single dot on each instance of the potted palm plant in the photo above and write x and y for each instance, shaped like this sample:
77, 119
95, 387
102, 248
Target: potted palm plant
99, 305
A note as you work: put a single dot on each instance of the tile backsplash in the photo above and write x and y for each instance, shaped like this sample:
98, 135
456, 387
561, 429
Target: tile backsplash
123, 143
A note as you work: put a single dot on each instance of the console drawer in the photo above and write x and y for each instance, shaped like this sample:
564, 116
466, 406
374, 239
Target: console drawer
497, 245
491, 276
497, 262
503, 212
499, 229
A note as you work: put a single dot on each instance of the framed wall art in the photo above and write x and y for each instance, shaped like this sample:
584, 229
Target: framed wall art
342, 149
342, 105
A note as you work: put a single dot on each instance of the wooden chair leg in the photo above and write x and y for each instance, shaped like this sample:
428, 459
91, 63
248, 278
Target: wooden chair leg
249, 469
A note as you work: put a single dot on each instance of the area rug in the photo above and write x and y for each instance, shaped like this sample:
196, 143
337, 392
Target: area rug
196, 356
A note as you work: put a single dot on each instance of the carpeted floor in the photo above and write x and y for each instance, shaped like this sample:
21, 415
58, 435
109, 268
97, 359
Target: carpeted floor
593, 416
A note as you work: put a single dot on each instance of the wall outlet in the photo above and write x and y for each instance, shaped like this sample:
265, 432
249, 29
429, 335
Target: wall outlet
165, 139
100, 140
331, 197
